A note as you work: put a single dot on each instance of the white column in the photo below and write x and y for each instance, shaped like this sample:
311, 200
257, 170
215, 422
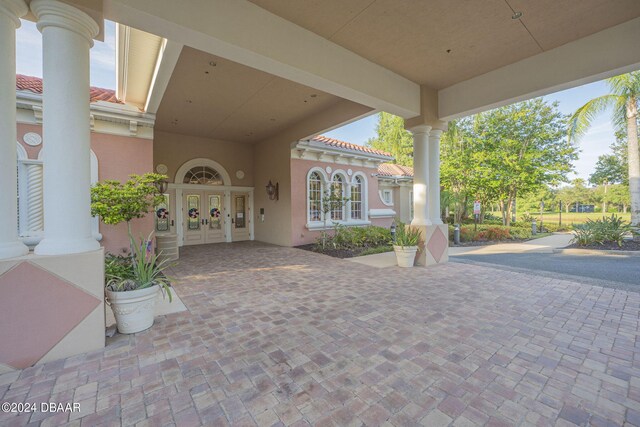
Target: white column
10, 245
67, 36
420, 174
433, 192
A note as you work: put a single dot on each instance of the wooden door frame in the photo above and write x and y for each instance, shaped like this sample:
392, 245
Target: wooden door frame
226, 189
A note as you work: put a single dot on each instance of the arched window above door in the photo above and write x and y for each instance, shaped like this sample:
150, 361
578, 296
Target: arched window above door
203, 175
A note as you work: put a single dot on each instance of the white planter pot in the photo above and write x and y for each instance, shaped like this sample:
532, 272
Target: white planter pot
133, 310
405, 255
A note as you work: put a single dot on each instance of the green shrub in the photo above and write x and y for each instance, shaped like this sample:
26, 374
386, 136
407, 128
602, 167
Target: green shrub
351, 238
520, 232
606, 230
494, 233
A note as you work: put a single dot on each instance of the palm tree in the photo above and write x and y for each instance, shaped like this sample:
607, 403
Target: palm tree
624, 97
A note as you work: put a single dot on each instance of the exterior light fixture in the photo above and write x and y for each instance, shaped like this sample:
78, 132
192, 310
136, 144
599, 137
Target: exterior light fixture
516, 15
162, 186
272, 191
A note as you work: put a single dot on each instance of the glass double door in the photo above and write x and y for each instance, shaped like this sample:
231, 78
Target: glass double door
204, 217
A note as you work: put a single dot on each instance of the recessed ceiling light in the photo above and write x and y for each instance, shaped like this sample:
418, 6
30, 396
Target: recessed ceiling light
313, 95
517, 15
272, 119
189, 101
213, 63
448, 50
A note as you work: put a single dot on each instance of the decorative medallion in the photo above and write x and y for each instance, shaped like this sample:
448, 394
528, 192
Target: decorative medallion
328, 169
239, 174
349, 172
32, 139
162, 168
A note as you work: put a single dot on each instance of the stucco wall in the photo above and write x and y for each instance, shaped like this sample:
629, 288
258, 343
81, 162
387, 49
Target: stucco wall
174, 150
299, 170
118, 157
272, 163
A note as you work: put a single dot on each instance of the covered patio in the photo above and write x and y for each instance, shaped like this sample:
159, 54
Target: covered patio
280, 335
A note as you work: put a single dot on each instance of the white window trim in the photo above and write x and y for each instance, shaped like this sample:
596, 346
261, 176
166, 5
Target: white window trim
363, 196
187, 166
381, 195
323, 176
326, 185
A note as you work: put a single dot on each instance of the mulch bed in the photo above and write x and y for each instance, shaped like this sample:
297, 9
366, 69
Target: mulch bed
629, 245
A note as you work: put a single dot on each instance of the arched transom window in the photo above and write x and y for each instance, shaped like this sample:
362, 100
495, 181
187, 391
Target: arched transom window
203, 175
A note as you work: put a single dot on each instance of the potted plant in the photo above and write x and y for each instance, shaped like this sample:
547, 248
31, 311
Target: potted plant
406, 245
132, 285
132, 282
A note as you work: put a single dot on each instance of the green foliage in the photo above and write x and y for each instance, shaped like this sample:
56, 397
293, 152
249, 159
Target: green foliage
117, 202
609, 169
606, 230
117, 267
487, 232
502, 153
377, 250
143, 269
354, 238
527, 217
393, 138
623, 101
407, 235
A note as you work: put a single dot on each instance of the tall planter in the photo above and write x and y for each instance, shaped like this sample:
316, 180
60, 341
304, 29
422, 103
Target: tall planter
133, 310
405, 255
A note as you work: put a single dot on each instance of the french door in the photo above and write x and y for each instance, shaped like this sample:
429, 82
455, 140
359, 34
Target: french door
204, 217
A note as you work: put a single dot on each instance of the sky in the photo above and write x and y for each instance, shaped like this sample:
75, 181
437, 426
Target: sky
595, 143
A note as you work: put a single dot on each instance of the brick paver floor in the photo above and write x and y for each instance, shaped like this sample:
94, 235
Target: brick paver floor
282, 336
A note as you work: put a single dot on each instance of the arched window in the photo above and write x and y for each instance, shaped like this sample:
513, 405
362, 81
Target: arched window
203, 175
337, 191
315, 192
356, 198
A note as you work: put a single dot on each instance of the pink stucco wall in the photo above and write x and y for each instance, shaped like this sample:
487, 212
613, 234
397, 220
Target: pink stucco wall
118, 157
299, 170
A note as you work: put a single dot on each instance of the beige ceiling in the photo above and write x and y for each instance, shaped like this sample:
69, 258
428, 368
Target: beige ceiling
412, 37
216, 98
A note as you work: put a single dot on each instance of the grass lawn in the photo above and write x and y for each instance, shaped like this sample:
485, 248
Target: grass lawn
578, 218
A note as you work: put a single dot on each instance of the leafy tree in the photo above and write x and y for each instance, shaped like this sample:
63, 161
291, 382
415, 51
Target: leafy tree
117, 202
624, 97
608, 170
393, 138
619, 196
522, 148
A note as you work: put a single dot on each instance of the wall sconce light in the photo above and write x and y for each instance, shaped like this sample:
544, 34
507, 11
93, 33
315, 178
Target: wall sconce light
162, 186
272, 191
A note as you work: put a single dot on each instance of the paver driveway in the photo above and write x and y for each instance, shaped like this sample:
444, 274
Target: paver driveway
280, 335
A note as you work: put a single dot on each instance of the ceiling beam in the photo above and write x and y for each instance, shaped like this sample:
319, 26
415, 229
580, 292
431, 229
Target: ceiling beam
604, 54
245, 33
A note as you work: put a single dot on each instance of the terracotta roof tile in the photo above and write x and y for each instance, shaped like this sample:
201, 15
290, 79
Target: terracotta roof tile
348, 146
34, 84
390, 169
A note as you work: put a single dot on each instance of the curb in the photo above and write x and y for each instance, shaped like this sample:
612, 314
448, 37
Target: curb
595, 252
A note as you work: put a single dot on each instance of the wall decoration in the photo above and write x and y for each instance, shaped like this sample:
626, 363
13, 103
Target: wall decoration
31, 138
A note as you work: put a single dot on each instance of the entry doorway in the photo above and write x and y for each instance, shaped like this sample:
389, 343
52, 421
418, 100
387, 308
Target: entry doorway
204, 214
240, 217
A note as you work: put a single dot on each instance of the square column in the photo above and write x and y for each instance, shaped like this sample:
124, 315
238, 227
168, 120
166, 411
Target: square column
10, 245
67, 37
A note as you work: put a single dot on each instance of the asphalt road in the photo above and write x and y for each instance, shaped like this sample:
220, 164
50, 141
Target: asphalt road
617, 271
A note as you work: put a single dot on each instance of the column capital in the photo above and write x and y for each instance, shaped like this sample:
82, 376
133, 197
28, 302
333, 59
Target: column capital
436, 133
420, 129
54, 13
14, 9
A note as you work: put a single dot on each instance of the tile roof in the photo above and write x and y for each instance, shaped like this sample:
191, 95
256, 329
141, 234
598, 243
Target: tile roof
34, 84
336, 143
390, 169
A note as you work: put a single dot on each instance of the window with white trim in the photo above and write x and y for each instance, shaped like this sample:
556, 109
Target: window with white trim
387, 196
315, 192
356, 198
337, 189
